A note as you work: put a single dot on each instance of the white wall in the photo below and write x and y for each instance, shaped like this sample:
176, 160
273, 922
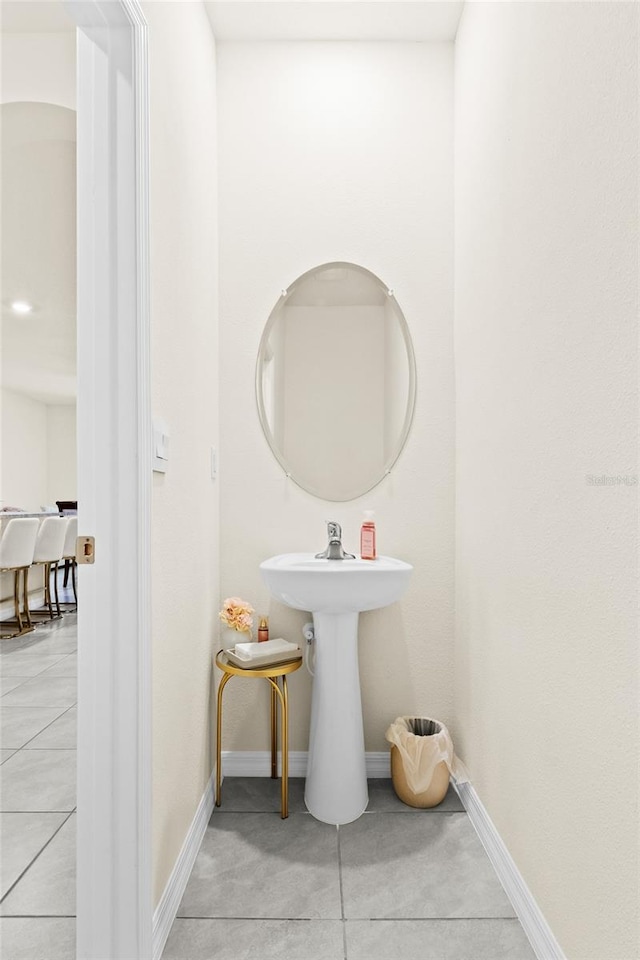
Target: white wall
546, 325
62, 468
185, 394
40, 67
330, 152
37, 452
23, 452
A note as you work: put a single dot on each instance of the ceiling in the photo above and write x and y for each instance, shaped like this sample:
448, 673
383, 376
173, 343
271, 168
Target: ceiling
420, 20
413, 20
38, 253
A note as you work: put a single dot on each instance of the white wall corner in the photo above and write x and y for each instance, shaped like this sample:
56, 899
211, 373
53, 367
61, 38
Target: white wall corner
536, 928
165, 912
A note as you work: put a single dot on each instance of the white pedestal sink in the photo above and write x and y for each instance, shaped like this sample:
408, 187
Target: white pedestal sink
335, 591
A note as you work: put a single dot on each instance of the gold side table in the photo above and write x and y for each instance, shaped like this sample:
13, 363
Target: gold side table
272, 674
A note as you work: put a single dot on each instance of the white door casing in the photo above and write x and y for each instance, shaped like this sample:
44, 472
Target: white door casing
114, 905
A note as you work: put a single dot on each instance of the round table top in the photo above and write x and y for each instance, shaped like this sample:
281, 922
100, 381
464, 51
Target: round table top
266, 670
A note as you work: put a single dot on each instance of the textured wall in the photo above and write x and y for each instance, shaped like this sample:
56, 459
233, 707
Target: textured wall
185, 393
546, 326
340, 151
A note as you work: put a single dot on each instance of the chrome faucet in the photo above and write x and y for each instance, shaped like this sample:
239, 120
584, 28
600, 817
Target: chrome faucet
334, 549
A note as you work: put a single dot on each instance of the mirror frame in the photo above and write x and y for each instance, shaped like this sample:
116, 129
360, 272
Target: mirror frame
411, 398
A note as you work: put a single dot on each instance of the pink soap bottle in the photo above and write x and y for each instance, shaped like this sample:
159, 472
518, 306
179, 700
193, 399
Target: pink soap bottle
368, 537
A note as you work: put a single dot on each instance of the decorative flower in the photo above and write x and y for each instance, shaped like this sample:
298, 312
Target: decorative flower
236, 614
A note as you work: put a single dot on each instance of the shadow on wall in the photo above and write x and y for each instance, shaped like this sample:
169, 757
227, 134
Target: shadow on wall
386, 674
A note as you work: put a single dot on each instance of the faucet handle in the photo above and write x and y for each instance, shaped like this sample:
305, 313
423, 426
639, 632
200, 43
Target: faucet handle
334, 530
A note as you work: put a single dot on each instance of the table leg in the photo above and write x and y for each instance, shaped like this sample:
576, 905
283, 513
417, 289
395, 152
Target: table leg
284, 719
274, 733
284, 727
221, 686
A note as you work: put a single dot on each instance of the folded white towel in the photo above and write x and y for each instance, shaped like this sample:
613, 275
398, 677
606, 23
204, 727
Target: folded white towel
277, 646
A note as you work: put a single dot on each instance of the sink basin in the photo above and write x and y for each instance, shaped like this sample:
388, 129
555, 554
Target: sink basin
303, 582
335, 592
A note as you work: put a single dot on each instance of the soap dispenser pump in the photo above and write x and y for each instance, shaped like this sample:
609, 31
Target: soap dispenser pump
368, 537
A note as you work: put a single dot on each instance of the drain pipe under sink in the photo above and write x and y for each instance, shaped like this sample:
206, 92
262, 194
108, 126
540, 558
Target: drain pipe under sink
309, 635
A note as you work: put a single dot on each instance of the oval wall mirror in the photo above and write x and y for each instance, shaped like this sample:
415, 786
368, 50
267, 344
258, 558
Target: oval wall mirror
336, 381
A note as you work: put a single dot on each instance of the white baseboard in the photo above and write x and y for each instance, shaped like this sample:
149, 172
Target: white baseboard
536, 928
165, 912
246, 763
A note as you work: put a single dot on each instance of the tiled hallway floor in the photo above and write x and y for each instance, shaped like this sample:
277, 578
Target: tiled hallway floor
397, 884
38, 673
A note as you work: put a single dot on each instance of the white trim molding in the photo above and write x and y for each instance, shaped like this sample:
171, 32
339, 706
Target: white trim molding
247, 763
165, 912
114, 896
536, 928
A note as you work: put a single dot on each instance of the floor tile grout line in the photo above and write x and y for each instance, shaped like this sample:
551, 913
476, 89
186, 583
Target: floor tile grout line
31, 863
64, 711
427, 919
271, 919
23, 680
38, 916
62, 656
184, 916
57, 676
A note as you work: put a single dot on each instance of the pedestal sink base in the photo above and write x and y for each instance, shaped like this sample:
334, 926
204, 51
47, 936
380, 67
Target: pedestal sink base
336, 591
336, 788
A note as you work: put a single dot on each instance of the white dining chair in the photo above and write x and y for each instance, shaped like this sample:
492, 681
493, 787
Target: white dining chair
17, 547
48, 554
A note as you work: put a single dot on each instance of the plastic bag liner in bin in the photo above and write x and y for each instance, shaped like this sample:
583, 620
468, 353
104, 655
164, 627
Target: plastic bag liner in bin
425, 752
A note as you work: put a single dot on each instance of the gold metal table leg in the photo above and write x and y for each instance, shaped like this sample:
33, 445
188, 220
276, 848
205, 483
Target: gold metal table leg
274, 733
223, 682
284, 727
284, 718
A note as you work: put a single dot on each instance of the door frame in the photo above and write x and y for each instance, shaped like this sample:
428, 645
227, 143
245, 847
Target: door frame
114, 890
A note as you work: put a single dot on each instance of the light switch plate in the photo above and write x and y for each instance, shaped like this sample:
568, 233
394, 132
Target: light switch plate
160, 451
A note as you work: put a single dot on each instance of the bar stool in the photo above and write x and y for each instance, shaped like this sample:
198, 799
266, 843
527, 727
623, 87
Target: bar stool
272, 674
48, 553
69, 554
16, 554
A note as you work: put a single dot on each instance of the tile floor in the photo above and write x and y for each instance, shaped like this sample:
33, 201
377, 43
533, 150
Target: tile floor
398, 884
38, 675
